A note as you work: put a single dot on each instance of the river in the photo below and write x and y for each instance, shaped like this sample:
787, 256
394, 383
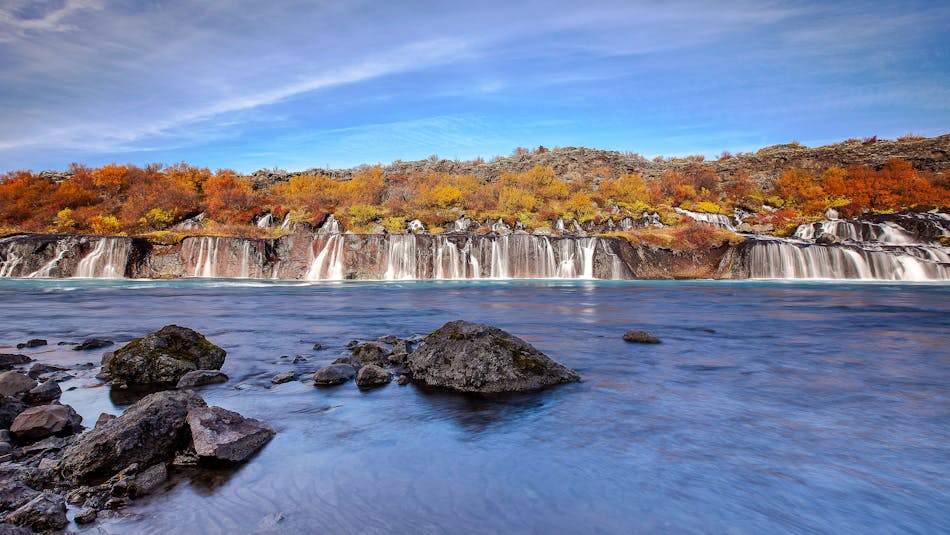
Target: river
769, 407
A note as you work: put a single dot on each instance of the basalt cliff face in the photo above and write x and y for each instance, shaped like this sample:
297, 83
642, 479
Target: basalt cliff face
902, 247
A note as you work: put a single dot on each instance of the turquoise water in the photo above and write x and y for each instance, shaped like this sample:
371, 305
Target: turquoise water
770, 407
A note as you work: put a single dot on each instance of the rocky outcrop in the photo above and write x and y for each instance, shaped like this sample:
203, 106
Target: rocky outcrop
149, 431
44, 513
163, 357
221, 435
470, 357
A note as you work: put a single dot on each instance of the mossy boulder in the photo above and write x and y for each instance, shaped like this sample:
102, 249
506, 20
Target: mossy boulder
163, 357
470, 357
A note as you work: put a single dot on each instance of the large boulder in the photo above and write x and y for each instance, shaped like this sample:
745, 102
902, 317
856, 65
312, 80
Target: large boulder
44, 421
226, 436
15, 383
44, 392
334, 374
470, 357
149, 431
369, 353
163, 356
46, 512
9, 360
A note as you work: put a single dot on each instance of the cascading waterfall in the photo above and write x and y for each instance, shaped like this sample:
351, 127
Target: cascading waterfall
716, 220
402, 262
107, 260
8, 267
328, 263
849, 249
62, 247
206, 259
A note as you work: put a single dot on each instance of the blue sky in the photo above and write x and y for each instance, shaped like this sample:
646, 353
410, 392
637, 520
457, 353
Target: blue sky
297, 84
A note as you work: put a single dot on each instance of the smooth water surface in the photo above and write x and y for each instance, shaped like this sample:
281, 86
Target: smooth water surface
769, 407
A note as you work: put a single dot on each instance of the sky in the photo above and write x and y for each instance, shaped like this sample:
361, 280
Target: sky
292, 84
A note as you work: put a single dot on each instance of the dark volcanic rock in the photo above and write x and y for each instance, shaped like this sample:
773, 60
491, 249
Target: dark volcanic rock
223, 435
201, 378
163, 356
92, 343
469, 357
44, 392
372, 375
149, 431
39, 369
45, 512
334, 374
10, 407
104, 418
15, 383
36, 342
640, 337
43, 421
9, 360
148, 480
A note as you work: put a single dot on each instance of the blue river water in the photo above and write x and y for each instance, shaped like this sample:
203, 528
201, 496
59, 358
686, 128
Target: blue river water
769, 407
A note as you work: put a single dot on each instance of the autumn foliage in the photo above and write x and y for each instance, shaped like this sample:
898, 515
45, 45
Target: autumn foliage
139, 200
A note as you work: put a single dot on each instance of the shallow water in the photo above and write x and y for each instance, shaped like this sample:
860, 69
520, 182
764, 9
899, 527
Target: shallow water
770, 407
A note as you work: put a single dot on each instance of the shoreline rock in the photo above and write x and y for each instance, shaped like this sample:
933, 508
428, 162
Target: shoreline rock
163, 357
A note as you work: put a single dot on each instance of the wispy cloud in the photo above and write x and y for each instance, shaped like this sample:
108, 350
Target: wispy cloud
17, 17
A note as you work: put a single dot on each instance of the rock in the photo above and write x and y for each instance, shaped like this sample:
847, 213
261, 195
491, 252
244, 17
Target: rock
318, 346
104, 418
401, 347
222, 435
388, 339
372, 375
402, 380
5, 447
43, 421
369, 353
201, 378
45, 512
86, 516
149, 480
9, 360
93, 343
149, 431
640, 337
10, 407
470, 357
36, 342
334, 374
13, 492
298, 359
163, 356
15, 383
284, 377
39, 369
352, 343
44, 392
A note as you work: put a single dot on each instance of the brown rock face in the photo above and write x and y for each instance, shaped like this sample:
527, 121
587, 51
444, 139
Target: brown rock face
223, 435
40, 422
15, 383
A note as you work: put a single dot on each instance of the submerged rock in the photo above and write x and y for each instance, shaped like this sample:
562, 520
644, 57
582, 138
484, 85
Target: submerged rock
372, 375
640, 337
9, 360
470, 357
334, 374
284, 377
201, 378
223, 435
45, 512
163, 356
93, 343
39, 369
149, 431
36, 342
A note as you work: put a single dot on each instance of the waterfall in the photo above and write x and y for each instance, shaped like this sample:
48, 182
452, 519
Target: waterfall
107, 260
206, 260
62, 247
856, 231
790, 259
8, 265
716, 220
328, 263
401, 259
330, 226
